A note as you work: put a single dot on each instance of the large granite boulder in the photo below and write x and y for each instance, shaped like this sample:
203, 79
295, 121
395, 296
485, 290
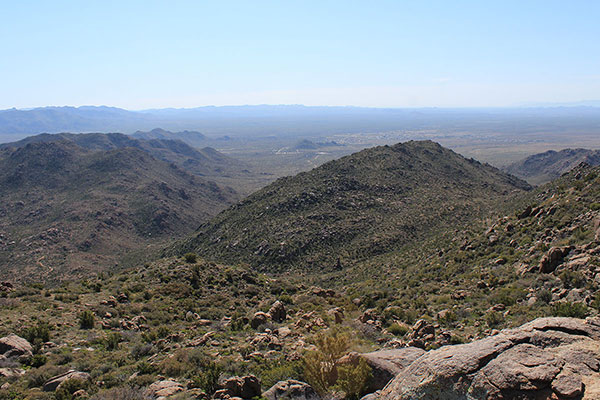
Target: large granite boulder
15, 346
164, 388
291, 390
54, 383
548, 358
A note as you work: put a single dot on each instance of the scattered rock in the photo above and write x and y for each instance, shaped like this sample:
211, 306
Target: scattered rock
11, 372
291, 389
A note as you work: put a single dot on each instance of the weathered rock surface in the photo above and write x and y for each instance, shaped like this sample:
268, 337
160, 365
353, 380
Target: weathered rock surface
164, 388
258, 319
548, 358
56, 381
245, 387
15, 346
553, 258
385, 364
291, 389
277, 312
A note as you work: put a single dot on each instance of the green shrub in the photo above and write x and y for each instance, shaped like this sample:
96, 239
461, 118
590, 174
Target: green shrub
572, 279
86, 319
190, 257
568, 309
37, 360
353, 379
145, 368
112, 341
322, 366
70, 386
544, 296
493, 319
397, 329
37, 334
208, 378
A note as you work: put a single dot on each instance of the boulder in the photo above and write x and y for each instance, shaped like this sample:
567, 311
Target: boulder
52, 384
553, 258
550, 358
385, 364
15, 346
368, 315
291, 389
337, 314
164, 388
258, 319
277, 312
245, 387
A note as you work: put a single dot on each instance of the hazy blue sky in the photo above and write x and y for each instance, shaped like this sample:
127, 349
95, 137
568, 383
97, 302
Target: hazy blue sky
143, 54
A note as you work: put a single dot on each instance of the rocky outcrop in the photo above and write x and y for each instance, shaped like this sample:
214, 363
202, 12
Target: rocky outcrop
54, 383
385, 364
549, 358
245, 387
291, 389
553, 258
15, 346
259, 319
164, 388
277, 312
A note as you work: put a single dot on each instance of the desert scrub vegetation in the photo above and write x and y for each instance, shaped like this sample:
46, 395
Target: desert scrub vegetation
324, 370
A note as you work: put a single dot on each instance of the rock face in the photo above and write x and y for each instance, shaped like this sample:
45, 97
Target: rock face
15, 346
55, 382
386, 364
291, 389
548, 358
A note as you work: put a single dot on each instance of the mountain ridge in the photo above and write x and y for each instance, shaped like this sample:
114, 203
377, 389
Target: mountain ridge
355, 207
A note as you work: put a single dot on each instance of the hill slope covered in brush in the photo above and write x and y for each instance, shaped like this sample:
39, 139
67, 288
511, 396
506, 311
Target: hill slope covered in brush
362, 205
544, 167
206, 162
66, 210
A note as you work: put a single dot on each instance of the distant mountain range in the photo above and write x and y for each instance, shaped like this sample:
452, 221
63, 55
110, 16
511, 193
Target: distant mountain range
544, 167
206, 162
281, 120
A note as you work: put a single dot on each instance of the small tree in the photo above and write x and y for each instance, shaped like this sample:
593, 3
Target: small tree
86, 319
323, 371
190, 257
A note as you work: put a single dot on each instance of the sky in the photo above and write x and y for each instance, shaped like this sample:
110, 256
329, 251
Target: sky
153, 54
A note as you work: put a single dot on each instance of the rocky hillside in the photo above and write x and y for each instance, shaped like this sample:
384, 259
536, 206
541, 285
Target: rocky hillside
544, 167
206, 162
193, 138
363, 205
66, 211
